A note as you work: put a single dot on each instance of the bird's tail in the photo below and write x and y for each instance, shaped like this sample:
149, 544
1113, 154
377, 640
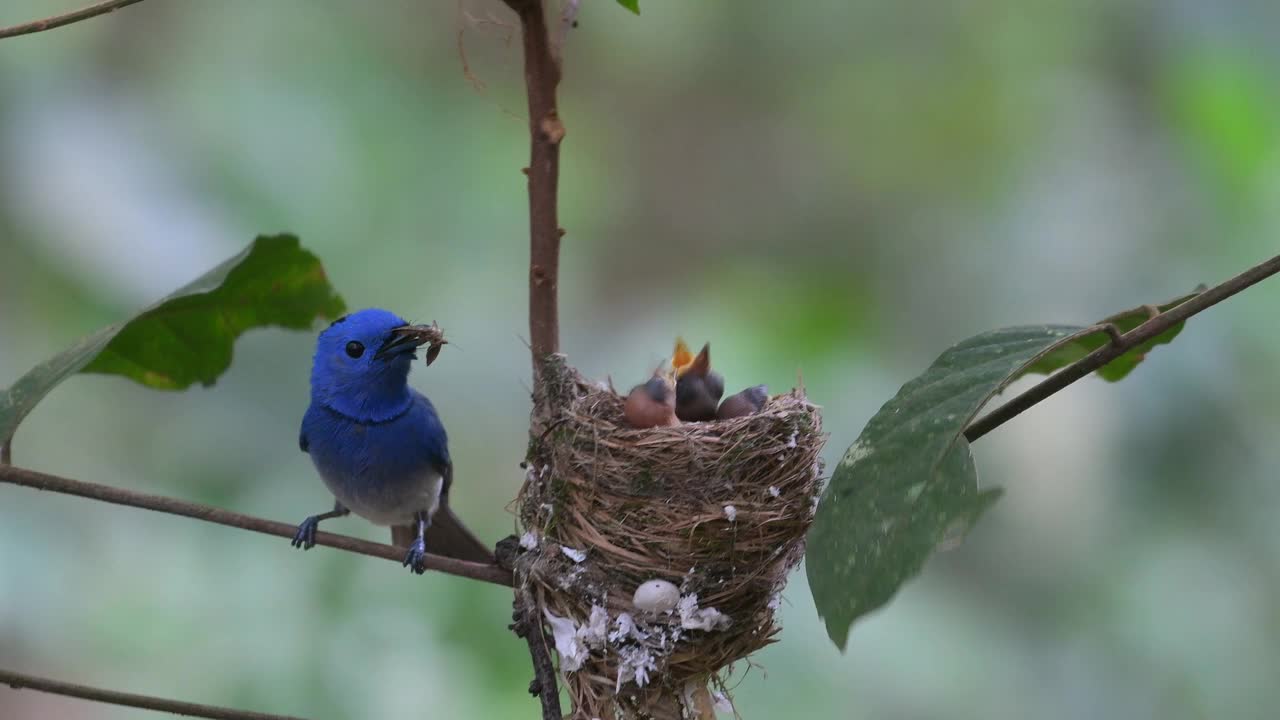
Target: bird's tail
447, 536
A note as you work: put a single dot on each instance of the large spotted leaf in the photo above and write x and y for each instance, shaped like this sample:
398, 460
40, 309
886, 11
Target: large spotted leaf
909, 482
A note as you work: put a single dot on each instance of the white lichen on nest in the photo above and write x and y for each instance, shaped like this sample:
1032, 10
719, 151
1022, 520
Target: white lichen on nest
573, 554
641, 643
693, 617
574, 642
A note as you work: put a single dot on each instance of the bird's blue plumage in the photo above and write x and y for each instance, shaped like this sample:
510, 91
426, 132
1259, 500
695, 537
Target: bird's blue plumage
384, 471
377, 443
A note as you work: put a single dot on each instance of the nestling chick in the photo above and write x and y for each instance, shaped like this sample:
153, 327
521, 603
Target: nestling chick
747, 402
652, 403
698, 387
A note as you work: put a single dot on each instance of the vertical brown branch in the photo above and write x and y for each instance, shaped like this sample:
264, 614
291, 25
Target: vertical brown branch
542, 76
528, 625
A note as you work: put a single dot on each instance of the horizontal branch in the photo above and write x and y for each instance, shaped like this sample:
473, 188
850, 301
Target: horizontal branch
105, 493
58, 21
1119, 346
18, 681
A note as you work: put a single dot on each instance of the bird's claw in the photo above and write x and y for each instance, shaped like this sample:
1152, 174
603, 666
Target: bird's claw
416, 558
305, 538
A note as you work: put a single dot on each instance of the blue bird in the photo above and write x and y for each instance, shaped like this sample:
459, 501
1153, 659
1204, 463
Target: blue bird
377, 443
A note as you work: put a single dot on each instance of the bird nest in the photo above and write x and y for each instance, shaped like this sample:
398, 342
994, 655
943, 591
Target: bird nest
718, 509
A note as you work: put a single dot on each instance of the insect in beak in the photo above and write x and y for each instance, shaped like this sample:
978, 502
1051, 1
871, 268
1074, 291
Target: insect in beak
408, 338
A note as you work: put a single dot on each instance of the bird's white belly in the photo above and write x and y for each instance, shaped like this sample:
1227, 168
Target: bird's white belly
389, 503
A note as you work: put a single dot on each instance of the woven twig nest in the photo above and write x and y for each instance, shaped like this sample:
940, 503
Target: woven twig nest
719, 509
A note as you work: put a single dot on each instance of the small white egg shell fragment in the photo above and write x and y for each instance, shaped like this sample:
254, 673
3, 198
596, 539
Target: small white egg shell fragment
656, 596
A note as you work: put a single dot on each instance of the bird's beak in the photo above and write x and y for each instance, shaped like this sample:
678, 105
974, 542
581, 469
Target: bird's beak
701, 364
408, 338
681, 357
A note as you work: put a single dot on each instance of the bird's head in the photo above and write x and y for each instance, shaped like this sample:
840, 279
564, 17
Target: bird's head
661, 386
653, 403
362, 361
698, 387
690, 367
686, 363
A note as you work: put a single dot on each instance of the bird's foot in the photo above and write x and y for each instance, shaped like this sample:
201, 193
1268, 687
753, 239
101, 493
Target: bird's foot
305, 538
416, 558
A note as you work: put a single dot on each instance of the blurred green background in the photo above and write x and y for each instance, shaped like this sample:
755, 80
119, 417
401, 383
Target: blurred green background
839, 189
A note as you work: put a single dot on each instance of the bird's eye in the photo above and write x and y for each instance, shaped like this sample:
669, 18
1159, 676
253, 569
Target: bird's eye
355, 349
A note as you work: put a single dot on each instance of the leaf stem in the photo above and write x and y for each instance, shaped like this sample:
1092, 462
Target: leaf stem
541, 76
1119, 346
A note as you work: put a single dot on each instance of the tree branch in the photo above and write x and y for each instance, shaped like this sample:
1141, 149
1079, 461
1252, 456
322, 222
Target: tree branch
542, 75
18, 681
1119, 346
528, 625
58, 21
52, 483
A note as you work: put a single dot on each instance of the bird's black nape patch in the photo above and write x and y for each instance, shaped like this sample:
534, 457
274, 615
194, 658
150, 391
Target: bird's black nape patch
341, 319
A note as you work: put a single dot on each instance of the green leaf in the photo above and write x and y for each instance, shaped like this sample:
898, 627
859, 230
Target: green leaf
188, 336
632, 5
1117, 369
909, 483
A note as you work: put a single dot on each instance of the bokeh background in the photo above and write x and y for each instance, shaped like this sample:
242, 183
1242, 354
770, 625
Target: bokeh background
838, 189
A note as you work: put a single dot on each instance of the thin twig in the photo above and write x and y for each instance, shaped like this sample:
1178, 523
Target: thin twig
19, 681
1119, 346
542, 75
105, 493
58, 21
528, 625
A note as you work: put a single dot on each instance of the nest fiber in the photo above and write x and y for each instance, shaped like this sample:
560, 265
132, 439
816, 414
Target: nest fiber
719, 509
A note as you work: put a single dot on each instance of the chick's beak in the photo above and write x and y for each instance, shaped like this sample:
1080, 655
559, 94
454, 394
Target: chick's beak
408, 338
681, 358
